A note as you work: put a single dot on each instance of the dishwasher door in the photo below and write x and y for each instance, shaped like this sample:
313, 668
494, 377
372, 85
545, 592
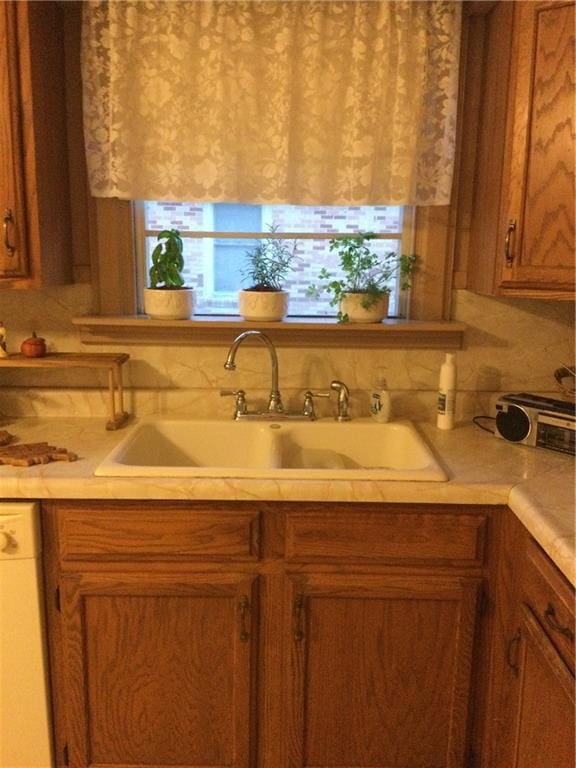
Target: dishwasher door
25, 727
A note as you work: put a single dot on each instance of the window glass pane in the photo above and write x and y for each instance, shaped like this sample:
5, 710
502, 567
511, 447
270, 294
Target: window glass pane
229, 263
196, 217
331, 219
230, 254
214, 265
237, 217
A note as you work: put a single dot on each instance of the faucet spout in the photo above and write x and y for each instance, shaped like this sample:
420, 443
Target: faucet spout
275, 400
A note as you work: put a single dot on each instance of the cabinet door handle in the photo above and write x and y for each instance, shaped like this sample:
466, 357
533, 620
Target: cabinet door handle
507, 253
553, 623
244, 606
512, 653
8, 219
299, 618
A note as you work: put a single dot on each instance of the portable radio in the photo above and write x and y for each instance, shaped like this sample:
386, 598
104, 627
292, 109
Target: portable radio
542, 422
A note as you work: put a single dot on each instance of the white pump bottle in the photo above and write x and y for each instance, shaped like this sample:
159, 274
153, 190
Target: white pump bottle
446, 393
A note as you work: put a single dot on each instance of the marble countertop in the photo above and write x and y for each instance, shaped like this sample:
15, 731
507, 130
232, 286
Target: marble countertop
538, 485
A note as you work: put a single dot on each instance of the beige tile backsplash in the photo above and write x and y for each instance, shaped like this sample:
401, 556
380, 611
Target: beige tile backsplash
510, 345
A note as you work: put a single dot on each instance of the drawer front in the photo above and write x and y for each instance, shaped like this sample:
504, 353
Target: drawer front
387, 536
551, 598
106, 533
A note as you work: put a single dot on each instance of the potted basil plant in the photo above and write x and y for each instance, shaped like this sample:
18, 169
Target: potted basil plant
268, 265
168, 298
362, 293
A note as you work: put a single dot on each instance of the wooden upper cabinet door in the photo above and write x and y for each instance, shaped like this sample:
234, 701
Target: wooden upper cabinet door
34, 183
379, 670
13, 258
544, 727
159, 669
539, 188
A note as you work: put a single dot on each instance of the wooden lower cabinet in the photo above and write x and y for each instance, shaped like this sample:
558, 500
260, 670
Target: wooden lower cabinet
532, 721
543, 727
159, 668
252, 635
379, 670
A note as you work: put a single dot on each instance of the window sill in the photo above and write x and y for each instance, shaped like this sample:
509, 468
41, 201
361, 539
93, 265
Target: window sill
294, 332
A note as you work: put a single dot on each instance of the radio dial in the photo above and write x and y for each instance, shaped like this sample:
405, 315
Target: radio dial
513, 424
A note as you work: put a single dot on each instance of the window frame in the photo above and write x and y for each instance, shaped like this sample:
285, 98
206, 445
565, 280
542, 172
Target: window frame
210, 234
118, 321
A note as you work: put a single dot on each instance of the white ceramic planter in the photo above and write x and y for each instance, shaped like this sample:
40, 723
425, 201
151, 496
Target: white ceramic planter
169, 303
263, 306
351, 305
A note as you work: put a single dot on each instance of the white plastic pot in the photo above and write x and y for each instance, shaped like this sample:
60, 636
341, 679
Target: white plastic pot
263, 306
169, 303
351, 305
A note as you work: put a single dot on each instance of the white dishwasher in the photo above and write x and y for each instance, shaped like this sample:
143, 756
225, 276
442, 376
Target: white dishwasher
25, 728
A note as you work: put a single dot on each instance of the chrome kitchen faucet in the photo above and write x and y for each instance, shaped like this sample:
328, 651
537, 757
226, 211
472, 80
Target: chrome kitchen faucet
275, 410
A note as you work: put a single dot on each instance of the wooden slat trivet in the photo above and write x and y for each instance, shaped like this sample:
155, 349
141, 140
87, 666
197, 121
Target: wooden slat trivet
27, 454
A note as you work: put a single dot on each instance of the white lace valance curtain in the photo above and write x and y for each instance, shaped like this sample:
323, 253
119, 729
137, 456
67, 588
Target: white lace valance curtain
271, 101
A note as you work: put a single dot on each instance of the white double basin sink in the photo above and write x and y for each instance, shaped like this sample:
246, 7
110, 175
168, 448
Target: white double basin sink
361, 449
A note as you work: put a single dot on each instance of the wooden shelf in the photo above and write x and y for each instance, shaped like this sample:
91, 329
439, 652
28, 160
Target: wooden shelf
111, 362
297, 332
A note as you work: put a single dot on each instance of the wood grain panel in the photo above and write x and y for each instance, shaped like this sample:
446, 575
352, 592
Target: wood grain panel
545, 719
551, 598
539, 189
530, 713
159, 669
385, 536
379, 675
11, 153
145, 533
494, 33
549, 201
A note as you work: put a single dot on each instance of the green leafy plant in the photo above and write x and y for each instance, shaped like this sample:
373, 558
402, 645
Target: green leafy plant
364, 271
269, 263
167, 261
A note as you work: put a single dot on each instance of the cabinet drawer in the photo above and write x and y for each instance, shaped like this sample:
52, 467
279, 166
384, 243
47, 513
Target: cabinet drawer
551, 599
168, 533
386, 536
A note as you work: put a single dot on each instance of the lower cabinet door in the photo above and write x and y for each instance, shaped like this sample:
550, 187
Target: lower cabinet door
544, 723
159, 669
379, 670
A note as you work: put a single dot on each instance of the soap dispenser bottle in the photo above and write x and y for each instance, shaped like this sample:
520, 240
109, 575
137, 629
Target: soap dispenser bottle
380, 402
446, 393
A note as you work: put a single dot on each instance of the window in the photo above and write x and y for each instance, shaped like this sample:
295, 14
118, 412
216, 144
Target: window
218, 235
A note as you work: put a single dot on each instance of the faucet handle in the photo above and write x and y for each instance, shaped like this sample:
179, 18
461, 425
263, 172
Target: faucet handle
240, 396
309, 396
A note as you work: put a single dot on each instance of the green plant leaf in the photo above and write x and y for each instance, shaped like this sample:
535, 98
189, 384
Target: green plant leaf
167, 260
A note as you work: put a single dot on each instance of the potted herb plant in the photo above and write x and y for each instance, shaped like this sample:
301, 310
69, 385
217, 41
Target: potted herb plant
362, 294
167, 298
268, 265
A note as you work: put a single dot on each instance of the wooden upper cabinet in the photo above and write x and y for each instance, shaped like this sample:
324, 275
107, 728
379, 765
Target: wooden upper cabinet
522, 219
34, 193
13, 255
539, 188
